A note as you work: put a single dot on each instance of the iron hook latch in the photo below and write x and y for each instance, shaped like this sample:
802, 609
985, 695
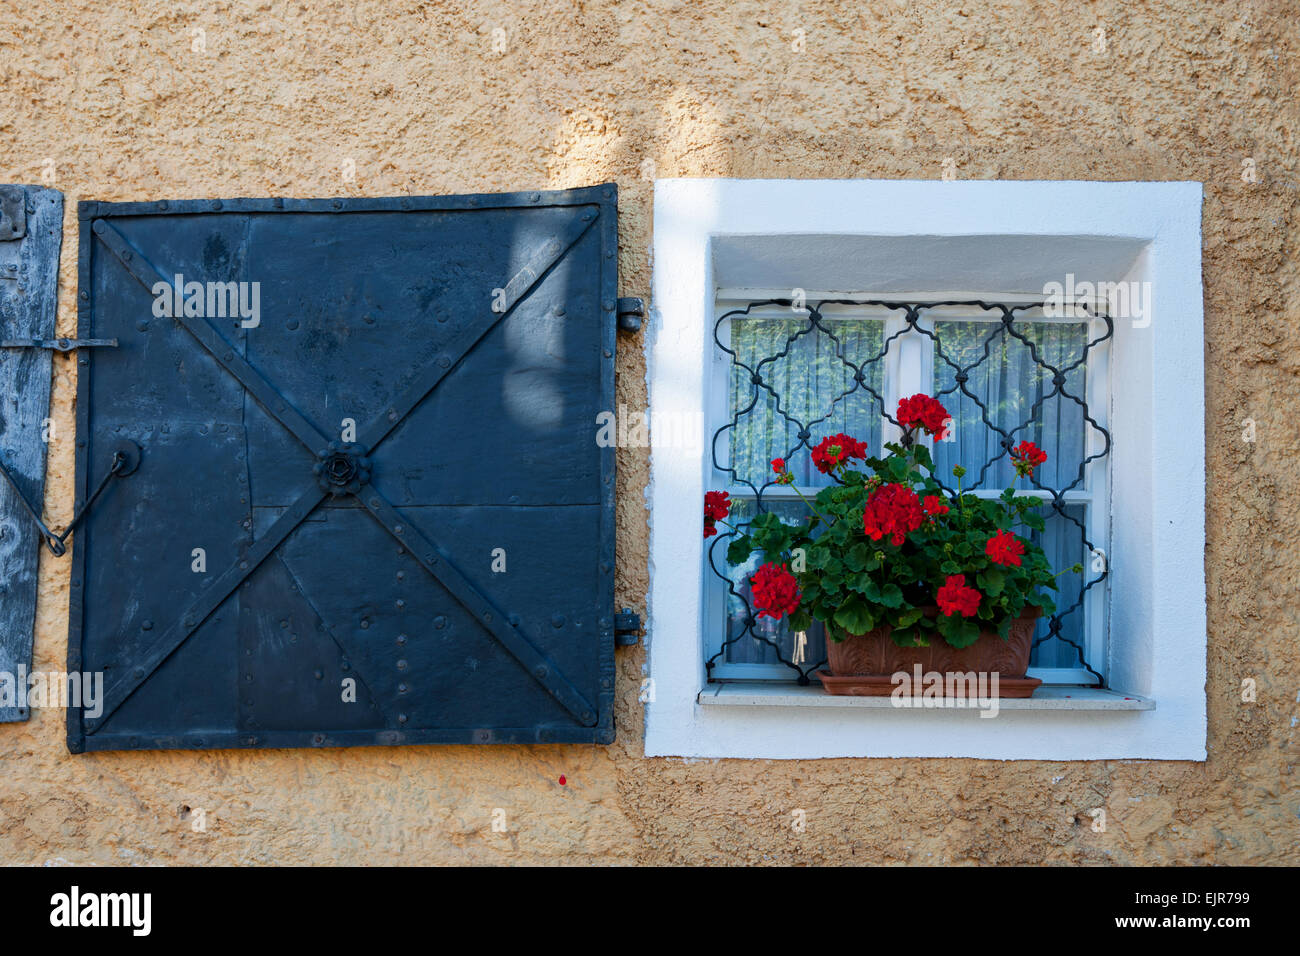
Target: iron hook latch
126, 459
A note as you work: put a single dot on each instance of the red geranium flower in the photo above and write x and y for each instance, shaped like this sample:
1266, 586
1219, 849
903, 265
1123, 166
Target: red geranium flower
1027, 456
922, 411
934, 506
834, 450
956, 598
774, 590
783, 476
892, 510
1005, 548
717, 505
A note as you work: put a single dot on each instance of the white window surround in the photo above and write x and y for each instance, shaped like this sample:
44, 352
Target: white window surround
909, 238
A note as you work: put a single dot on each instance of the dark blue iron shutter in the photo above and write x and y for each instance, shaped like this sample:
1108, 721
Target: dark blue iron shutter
471, 341
31, 233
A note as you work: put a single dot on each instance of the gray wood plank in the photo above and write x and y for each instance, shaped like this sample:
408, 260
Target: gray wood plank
29, 277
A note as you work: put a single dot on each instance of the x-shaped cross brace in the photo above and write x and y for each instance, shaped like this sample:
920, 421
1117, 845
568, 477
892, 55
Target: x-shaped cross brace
426, 551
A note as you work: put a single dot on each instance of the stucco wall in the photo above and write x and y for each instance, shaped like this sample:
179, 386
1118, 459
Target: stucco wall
128, 103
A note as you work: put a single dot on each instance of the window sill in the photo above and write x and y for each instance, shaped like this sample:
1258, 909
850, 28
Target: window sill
757, 694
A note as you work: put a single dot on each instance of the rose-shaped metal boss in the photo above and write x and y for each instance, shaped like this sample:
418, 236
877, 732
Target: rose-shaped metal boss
343, 468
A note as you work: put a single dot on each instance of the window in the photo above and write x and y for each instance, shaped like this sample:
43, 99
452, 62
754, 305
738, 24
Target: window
1137, 499
836, 365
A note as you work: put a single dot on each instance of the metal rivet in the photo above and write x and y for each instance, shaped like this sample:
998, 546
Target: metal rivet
439, 622
338, 204
557, 620
364, 624
401, 688
401, 638
374, 502
443, 361
541, 671
284, 624
147, 626
319, 675
401, 575
85, 296
401, 718
216, 204
401, 665
293, 324
400, 604
609, 305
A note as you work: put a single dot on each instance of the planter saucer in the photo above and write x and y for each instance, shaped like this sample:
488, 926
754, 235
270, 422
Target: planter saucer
882, 685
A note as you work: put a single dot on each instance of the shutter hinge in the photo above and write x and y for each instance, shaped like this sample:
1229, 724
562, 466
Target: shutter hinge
627, 625
58, 345
630, 313
13, 213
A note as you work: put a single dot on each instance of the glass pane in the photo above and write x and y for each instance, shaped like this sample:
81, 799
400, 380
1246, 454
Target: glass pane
1012, 390
814, 387
1063, 541
750, 649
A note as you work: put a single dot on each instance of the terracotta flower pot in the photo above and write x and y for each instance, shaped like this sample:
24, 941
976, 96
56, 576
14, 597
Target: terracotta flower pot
865, 664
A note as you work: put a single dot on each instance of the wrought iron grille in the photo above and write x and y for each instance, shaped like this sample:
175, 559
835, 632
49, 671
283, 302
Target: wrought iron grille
863, 361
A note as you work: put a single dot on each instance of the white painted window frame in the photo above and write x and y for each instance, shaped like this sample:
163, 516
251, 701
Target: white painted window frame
1157, 629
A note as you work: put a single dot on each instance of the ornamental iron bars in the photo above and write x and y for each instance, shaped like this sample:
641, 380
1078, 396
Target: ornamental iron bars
850, 356
369, 507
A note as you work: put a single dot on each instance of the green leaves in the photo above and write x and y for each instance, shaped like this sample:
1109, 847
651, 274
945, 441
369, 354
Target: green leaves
991, 581
854, 617
858, 558
739, 550
770, 534
958, 631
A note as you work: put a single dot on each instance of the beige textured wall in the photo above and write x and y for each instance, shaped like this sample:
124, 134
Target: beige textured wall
284, 93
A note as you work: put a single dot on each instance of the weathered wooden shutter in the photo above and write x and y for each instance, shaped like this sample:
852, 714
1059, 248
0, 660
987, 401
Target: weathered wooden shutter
385, 484
31, 232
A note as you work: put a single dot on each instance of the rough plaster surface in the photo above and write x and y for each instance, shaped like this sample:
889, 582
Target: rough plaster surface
119, 102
